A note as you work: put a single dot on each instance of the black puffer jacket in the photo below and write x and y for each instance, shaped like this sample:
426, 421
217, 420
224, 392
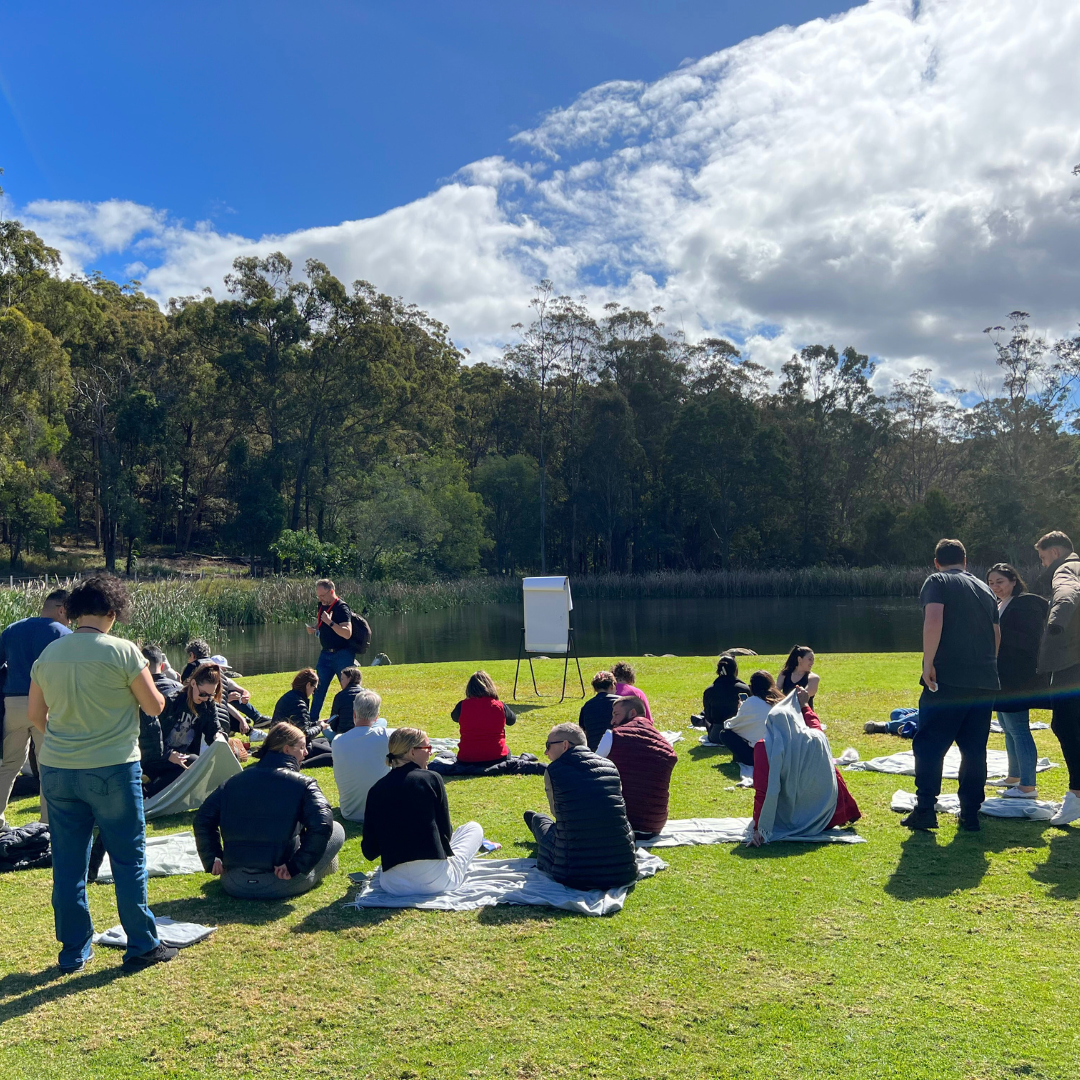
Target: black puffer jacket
593, 845
150, 726
341, 713
293, 708
265, 816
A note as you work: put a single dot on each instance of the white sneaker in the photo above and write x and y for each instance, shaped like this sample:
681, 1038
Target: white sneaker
1070, 810
1016, 793
1001, 781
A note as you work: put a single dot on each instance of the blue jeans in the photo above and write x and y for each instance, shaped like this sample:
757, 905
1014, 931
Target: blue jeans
903, 722
111, 798
1020, 746
330, 665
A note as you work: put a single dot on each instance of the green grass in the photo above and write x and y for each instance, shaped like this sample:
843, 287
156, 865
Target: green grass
913, 956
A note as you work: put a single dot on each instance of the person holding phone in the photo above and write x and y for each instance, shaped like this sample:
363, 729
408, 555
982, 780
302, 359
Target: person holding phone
333, 624
961, 636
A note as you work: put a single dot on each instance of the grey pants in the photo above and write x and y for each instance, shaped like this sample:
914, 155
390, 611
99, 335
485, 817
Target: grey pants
265, 886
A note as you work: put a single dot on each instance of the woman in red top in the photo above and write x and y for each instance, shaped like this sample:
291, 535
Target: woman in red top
482, 718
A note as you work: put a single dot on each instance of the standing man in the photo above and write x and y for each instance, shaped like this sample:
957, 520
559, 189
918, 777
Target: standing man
959, 680
334, 627
1059, 655
20, 645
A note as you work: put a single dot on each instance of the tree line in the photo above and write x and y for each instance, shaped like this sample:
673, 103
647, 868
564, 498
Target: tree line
335, 428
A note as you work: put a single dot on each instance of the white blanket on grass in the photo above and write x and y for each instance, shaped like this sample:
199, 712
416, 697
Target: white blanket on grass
189, 790
177, 934
165, 856
903, 764
1034, 725
1031, 809
506, 881
682, 832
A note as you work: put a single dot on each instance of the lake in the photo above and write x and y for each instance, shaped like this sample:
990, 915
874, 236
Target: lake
697, 627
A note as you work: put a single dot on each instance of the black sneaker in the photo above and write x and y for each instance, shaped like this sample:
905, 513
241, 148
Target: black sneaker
160, 955
75, 968
872, 727
920, 819
969, 824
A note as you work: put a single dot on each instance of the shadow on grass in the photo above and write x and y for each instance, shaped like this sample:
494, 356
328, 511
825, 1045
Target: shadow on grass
1061, 868
929, 869
45, 987
335, 916
779, 849
506, 914
216, 906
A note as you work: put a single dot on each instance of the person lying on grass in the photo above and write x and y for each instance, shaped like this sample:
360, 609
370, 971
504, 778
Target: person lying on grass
268, 832
798, 791
407, 824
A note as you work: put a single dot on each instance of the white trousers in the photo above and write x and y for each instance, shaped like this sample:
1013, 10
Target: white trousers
18, 731
430, 877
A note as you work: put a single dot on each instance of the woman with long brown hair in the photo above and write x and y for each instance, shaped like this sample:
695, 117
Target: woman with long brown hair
747, 726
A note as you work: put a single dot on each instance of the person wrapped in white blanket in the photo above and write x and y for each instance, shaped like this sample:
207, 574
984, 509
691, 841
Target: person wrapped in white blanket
407, 824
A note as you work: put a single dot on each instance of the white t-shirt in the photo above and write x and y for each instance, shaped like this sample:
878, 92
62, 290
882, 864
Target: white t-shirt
749, 721
359, 761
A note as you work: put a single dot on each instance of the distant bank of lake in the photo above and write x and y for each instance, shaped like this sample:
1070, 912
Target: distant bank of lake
689, 627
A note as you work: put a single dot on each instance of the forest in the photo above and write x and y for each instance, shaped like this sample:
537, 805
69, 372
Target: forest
309, 426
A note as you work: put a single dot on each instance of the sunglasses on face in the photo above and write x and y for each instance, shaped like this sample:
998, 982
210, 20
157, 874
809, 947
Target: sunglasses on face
428, 748
556, 742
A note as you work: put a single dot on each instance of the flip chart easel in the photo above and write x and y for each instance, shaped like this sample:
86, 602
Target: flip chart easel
547, 628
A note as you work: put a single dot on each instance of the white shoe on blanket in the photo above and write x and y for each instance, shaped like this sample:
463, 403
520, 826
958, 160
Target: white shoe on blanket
1016, 793
1070, 810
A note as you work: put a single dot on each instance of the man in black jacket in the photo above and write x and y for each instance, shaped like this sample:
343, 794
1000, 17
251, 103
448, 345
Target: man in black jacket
590, 844
269, 832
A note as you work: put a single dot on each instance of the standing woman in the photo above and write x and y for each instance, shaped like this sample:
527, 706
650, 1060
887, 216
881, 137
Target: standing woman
797, 672
86, 690
1022, 616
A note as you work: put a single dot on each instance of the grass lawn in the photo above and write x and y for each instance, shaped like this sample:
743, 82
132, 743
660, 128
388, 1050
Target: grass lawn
937, 956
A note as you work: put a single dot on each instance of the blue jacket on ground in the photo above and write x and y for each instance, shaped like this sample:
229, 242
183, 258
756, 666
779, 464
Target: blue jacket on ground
21, 644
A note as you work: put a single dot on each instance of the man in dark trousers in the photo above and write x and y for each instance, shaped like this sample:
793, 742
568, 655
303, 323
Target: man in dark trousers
334, 626
20, 645
959, 680
1059, 655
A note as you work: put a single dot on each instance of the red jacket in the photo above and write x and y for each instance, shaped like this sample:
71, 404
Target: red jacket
847, 809
483, 730
644, 759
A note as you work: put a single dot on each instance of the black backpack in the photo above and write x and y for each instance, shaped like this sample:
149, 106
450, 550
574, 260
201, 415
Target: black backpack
360, 641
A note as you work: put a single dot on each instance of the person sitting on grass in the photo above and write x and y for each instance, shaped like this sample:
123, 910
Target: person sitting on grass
798, 791
360, 755
645, 760
407, 824
746, 728
341, 712
624, 684
595, 715
797, 672
483, 719
198, 652
268, 832
293, 707
193, 715
589, 844
720, 701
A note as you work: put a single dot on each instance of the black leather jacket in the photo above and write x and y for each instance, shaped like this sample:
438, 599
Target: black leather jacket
268, 815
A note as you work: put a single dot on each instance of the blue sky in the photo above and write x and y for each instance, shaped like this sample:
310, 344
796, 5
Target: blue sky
269, 117
890, 176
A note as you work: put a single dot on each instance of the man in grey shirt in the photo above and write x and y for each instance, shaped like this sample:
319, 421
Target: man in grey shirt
360, 755
959, 679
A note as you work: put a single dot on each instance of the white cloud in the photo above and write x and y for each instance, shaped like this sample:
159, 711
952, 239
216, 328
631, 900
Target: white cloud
886, 179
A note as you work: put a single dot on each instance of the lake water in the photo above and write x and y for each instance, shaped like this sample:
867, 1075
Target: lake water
700, 627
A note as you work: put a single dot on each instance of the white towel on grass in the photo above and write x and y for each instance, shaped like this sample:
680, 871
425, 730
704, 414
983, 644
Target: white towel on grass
683, 832
903, 764
1034, 725
1031, 809
165, 856
672, 736
190, 789
507, 881
177, 934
